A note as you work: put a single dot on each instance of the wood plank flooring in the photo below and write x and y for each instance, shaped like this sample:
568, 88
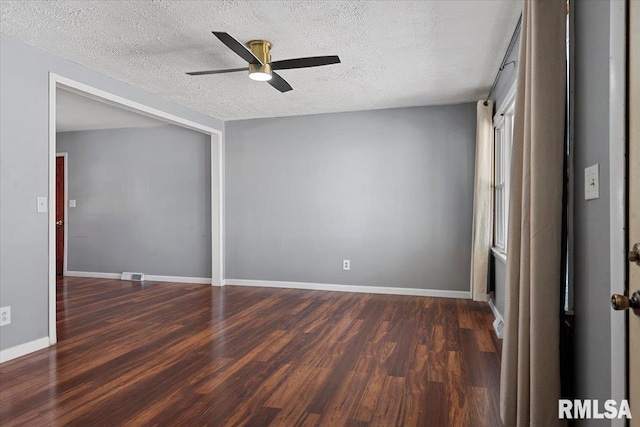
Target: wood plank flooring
191, 355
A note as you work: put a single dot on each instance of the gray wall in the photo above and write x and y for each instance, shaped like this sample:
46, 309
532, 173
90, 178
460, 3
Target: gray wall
143, 201
24, 176
504, 84
391, 190
591, 218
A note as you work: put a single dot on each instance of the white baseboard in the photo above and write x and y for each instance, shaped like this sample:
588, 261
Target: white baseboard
498, 324
23, 349
178, 279
495, 310
92, 274
147, 277
349, 288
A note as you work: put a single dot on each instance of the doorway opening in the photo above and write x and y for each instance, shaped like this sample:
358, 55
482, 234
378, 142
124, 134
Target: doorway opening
59, 204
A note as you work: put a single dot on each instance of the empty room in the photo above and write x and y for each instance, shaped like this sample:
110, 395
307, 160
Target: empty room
320, 213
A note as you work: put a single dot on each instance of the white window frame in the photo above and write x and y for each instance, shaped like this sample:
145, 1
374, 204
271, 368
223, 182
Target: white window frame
502, 144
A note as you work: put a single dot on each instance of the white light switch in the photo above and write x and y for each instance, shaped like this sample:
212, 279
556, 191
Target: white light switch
72, 203
592, 182
42, 204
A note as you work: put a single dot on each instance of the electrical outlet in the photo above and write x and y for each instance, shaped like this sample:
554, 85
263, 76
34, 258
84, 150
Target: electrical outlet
5, 315
346, 264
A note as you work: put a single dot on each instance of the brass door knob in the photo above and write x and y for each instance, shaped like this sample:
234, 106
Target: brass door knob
60, 222
634, 254
622, 302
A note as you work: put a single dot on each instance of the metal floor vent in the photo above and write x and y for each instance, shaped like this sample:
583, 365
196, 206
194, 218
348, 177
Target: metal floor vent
132, 276
498, 325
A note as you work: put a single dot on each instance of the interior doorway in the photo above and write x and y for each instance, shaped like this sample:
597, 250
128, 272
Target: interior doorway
214, 136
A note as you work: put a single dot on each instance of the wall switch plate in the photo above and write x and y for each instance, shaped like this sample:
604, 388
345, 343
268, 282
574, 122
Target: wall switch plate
5, 315
346, 264
42, 204
592, 182
72, 203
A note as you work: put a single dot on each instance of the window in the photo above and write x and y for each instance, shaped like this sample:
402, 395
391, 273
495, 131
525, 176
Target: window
503, 137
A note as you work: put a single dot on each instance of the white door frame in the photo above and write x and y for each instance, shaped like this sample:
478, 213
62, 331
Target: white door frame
617, 191
217, 177
65, 215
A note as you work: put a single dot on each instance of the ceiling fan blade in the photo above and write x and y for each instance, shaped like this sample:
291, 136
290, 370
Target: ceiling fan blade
241, 50
279, 83
229, 70
312, 61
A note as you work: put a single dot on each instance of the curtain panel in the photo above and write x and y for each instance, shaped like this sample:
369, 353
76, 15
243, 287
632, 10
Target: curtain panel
482, 202
530, 375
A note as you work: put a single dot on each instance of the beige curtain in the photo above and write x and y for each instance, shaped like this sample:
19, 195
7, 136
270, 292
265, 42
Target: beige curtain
482, 202
530, 376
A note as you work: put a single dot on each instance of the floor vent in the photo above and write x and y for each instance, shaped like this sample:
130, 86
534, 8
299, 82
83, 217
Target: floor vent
132, 276
498, 325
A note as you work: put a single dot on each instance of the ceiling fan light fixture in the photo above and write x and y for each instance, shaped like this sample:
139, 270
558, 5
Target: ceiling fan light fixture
261, 49
258, 55
260, 72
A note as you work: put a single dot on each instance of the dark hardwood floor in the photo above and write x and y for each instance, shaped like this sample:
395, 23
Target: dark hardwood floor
191, 355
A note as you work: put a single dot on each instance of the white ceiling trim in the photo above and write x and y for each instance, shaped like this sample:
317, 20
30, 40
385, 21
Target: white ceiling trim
78, 113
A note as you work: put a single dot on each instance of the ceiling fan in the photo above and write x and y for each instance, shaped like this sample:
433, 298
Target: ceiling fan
258, 55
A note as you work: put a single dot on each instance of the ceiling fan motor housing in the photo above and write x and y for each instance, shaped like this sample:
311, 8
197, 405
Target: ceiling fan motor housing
262, 50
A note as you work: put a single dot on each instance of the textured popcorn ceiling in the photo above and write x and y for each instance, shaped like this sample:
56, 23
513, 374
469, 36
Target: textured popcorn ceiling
394, 53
